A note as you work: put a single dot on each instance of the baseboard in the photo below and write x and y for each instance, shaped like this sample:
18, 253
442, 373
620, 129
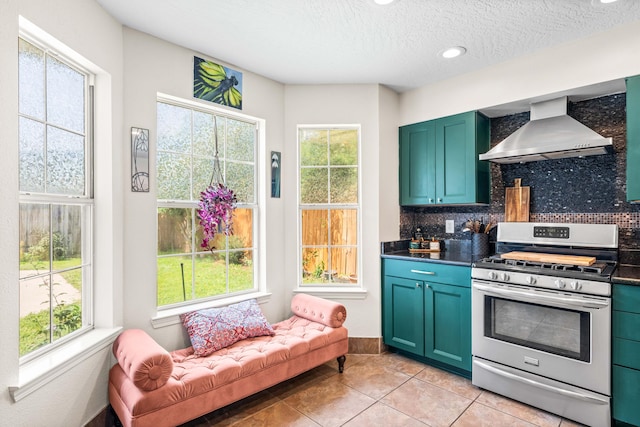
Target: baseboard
366, 345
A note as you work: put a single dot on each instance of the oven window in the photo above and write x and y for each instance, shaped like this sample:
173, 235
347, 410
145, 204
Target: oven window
550, 329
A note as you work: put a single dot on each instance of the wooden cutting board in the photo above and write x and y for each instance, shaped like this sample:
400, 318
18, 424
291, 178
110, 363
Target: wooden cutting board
516, 203
550, 258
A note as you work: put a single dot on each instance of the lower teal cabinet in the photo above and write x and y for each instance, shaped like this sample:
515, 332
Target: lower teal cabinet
403, 321
625, 349
626, 395
448, 334
426, 317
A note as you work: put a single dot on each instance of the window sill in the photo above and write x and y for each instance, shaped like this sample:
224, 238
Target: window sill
333, 292
39, 372
172, 316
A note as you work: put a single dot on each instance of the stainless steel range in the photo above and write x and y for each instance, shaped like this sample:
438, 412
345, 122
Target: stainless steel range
541, 316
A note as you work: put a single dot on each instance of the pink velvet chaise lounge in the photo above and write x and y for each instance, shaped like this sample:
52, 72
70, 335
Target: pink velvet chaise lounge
151, 387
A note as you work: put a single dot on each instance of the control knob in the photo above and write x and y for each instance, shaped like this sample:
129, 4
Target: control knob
504, 277
575, 285
560, 284
531, 280
492, 275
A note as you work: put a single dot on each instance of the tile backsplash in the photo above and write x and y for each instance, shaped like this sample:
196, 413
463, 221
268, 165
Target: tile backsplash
577, 190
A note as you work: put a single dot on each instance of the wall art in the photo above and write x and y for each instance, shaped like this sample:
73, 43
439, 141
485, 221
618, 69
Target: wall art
217, 83
139, 160
276, 158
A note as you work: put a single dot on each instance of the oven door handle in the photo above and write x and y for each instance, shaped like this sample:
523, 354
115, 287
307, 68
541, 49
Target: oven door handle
540, 297
569, 393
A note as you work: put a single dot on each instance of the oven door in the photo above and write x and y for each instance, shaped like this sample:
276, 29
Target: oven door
557, 335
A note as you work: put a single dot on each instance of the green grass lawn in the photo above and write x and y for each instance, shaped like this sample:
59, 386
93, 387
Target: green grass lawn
210, 278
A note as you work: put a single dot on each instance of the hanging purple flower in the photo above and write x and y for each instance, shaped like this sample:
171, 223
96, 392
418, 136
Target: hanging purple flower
215, 210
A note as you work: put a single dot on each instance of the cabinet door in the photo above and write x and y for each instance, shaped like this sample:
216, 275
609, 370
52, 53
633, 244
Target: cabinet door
417, 164
403, 314
455, 176
633, 139
448, 324
626, 394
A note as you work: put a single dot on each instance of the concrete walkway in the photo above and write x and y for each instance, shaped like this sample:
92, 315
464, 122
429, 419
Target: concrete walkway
34, 296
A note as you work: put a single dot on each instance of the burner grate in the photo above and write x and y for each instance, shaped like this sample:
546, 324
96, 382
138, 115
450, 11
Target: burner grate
598, 268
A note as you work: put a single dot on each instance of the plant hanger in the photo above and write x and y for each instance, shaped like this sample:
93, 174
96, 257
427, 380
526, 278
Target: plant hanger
217, 202
216, 174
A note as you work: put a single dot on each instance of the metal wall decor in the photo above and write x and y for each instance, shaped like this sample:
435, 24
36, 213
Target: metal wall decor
276, 158
139, 160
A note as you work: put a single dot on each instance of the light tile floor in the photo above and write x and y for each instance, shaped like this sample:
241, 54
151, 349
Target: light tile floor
378, 390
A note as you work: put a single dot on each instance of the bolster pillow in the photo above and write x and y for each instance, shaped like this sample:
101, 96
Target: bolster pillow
319, 310
142, 359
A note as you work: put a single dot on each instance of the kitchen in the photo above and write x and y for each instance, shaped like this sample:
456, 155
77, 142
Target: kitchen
603, 57
564, 192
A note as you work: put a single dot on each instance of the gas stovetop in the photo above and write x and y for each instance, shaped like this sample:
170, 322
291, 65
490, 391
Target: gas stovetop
553, 242
601, 270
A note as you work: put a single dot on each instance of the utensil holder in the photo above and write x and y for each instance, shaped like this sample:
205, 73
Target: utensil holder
480, 244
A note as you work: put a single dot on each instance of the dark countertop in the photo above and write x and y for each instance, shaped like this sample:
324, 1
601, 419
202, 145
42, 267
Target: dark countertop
444, 257
627, 275
457, 252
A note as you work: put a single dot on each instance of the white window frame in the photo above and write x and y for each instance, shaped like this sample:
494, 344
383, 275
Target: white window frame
329, 290
36, 372
169, 314
85, 201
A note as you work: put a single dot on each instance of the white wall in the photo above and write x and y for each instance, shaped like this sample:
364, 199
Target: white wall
388, 164
77, 396
152, 65
344, 104
600, 58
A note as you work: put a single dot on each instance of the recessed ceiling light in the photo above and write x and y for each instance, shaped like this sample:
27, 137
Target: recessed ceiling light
452, 52
607, 1
383, 2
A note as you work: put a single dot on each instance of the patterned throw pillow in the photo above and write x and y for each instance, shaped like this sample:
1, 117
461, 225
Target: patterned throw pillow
214, 328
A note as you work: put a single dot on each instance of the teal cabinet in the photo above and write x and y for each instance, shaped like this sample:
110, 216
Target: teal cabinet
633, 139
448, 337
625, 347
426, 310
418, 164
403, 322
439, 161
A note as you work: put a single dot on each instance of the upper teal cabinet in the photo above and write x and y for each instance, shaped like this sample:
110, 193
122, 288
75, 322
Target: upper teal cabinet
418, 164
439, 161
633, 139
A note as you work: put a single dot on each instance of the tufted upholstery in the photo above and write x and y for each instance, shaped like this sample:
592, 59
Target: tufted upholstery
145, 362
319, 310
198, 385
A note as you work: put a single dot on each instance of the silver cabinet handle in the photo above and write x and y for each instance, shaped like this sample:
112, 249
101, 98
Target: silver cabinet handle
429, 273
539, 297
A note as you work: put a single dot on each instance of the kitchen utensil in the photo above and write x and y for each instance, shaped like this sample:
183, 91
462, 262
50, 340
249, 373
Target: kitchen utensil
516, 203
550, 258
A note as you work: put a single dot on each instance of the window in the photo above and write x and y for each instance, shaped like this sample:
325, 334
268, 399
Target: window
56, 200
185, 158
328, 207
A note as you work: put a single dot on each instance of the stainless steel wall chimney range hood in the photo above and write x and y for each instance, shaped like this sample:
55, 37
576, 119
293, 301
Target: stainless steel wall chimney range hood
551, 134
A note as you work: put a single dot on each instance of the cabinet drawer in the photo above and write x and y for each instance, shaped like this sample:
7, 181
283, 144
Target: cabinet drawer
429, 272
626, 395
625, 353
626, 325
626, 298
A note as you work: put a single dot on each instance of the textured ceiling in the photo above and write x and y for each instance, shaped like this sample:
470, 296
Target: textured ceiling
357, 41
